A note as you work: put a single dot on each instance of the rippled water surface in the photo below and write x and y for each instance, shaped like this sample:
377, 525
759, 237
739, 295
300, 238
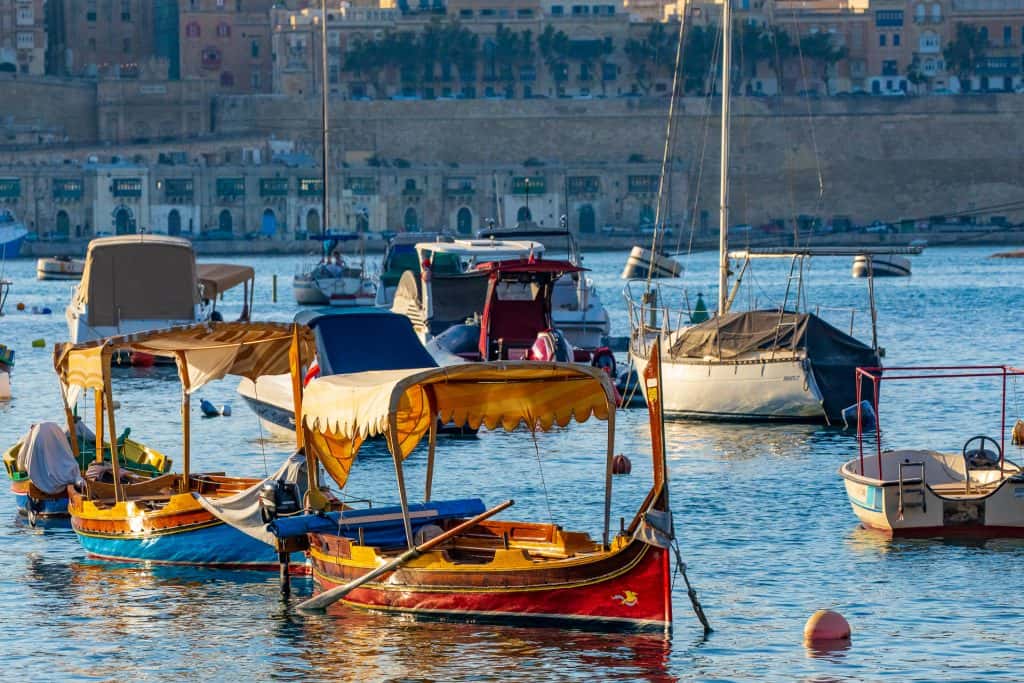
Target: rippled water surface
762, 516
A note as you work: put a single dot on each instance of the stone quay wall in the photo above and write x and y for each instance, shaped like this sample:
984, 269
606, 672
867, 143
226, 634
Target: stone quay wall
863, 157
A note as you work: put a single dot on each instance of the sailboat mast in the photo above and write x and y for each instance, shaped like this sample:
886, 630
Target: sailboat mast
723, 183
323, 115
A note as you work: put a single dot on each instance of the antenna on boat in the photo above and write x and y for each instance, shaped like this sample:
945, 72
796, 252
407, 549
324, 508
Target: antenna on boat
324, 121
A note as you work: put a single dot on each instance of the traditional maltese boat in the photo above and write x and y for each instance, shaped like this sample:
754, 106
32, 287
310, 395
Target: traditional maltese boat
43, 464
975, 492
449, 558
190, 518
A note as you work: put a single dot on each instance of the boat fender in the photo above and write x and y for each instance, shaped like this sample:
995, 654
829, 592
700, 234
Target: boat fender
209, 410
1017, 435
621, 464
868, 419
312, 373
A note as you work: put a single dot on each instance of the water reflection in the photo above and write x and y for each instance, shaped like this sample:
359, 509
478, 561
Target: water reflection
864, 540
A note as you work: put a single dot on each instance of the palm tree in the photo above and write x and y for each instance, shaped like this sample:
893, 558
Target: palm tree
819, 46
779, 47
964, 52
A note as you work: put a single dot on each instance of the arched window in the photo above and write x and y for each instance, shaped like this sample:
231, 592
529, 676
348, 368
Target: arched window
63, 223
225, 223
464, 221
192, 30
123, 223
936, 12
919, 12
312, 223
227, 79
269, 225
174, 222
524, 215
410, 185
223, 30
587, 221
647, 216
412, 221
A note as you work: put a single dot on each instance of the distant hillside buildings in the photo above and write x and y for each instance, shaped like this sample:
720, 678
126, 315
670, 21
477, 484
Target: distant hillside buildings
520, 48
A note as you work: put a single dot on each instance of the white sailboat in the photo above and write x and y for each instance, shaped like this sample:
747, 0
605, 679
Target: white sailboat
332, 282
770, 364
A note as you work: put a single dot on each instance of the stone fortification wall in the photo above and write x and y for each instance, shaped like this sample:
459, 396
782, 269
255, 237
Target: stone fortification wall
34, 110
878, 157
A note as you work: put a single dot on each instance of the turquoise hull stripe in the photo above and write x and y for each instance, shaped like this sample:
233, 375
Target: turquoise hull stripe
218, 545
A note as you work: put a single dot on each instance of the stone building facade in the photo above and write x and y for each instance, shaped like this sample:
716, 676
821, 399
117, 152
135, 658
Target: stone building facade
23, 37
102, 38
226, 42
281, 201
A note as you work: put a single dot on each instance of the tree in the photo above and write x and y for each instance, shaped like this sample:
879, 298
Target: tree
915, 75
554, 48
818, 46
964, 52
779, 47
699, 50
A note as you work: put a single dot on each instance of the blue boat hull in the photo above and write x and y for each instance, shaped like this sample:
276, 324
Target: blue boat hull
216, 545
50, 513
11, 249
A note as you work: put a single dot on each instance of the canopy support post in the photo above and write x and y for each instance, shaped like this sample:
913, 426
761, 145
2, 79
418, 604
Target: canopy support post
186, 428
431, 444
608, 475
98, 400
73, 426
315, 499
113, 427
396, 453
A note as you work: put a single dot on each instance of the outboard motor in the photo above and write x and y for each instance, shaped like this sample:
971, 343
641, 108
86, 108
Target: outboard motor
278, 498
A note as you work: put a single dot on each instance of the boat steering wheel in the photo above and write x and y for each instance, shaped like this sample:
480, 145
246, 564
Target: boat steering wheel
980, 457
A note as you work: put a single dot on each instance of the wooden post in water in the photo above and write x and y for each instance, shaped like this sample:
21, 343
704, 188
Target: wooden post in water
273, 289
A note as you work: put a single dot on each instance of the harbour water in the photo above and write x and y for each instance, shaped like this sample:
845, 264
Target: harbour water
762, 517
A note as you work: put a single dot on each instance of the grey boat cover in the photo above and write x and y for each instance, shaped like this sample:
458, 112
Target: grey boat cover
832, 354
242, 510
47, 458
454, 298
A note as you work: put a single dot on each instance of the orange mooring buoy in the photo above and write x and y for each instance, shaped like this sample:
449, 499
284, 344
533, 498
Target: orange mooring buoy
621, 465
826, 626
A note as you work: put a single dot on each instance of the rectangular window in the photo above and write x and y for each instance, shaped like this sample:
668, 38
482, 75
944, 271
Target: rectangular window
254, 49
178, 188
895, 40
361, 185
643, 184
67, 188
230, 187
531, 185
881, 40
1007, 36
528, 73
255, 80
524, 13
273, 187
609, 72
10, 188
26, 41
465, 14
311, 187
126, 10
891, 17
459, 186
583, 184
557, 10
127, 187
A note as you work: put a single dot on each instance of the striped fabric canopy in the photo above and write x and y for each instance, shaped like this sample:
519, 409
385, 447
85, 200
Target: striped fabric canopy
209, 351
340, 412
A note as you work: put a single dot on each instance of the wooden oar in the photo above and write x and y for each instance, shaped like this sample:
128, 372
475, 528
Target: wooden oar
320, 602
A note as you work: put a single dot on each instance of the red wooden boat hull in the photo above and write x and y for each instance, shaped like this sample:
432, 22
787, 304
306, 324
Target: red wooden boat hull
627, 589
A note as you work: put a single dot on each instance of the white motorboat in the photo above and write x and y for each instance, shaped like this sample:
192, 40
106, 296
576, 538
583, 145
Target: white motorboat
974, 492
137, 283
12, 234
641, 261
882, 265
59, 268
449, 289
336, 280
576, 308
399, 257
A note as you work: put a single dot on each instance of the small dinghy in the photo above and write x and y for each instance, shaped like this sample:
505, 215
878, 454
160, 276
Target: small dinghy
59, 268
975, 492
641, 261
881, 265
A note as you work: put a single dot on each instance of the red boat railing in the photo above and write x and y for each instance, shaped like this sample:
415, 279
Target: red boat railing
919, 372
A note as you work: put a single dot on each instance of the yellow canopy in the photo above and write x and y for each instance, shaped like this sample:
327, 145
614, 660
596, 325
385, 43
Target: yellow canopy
341, 411
210, 351
217, 278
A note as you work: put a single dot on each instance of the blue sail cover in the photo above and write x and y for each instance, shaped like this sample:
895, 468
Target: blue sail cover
360, 341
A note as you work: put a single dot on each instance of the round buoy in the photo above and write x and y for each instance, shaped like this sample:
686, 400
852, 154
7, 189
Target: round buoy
826, 626
20, 306
621, 465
